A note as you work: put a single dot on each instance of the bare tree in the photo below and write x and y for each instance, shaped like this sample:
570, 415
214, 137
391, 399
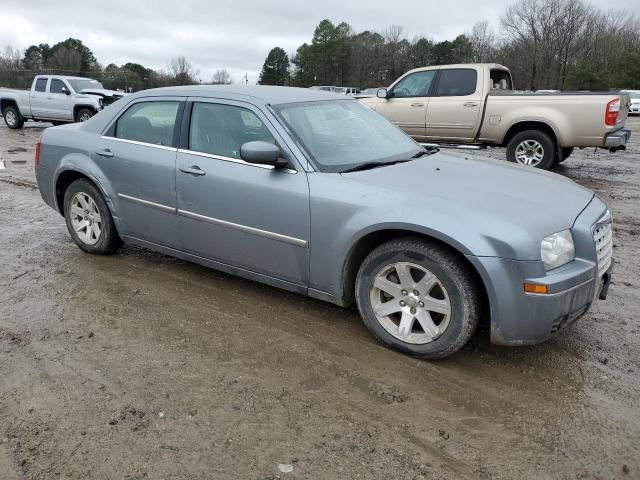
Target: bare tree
182, 71
221, 77
483, 41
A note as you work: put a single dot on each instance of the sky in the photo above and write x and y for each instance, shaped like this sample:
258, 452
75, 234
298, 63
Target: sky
236, 35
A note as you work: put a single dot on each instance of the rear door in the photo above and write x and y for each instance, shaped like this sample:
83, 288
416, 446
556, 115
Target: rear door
137, 153
59, 103
38, 98
407, 102
455, 105
253, 217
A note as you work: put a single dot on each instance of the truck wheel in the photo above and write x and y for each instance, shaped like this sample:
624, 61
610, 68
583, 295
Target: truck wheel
565, 153
12, 118
533, 148
89, 219
418, 297
84, 114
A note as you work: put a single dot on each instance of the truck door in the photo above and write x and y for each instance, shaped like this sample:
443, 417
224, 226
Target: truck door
407, 101
455, 105
38, 98
59, 99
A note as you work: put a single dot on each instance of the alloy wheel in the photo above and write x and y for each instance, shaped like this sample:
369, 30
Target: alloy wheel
410, 302
85, 218
529, 152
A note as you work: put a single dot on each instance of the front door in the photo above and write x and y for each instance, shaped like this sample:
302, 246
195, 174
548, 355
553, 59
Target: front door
252, 217
455, 106
59, 100
137, 154
407, 102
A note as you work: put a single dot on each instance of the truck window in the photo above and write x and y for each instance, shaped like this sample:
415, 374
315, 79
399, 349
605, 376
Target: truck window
41, 85
456, 82
500, 80
414, 85
57, 86
148, 122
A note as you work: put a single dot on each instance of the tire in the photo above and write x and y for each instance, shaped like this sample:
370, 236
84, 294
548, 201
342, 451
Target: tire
455, 290
565, 153
532, 147
84, 114
83, 198
12, 118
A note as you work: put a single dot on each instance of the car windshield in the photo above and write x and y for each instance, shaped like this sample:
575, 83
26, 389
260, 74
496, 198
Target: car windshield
339, 135
79, 84
634, 95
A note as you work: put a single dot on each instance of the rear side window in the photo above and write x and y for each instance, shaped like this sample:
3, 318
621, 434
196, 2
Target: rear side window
222, 129
456, 82
56, 86
414, 85
41, 85
148, 122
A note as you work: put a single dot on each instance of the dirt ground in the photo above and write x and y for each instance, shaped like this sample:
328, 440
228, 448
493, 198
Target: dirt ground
140, 366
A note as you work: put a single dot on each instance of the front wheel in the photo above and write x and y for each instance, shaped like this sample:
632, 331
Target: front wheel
418, 297
533, 148
84, 114
12, 118
89, 219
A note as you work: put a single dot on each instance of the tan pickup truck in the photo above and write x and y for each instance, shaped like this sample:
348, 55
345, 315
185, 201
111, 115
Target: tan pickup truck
474, 105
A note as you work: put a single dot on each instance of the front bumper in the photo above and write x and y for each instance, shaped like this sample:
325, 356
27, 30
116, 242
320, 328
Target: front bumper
617, 140
519, 318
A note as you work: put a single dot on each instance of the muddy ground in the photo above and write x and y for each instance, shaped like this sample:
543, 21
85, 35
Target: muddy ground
140, 366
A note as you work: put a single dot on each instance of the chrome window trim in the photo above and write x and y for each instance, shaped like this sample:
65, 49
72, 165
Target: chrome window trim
233, 160
298, 242
144, 144
147, 203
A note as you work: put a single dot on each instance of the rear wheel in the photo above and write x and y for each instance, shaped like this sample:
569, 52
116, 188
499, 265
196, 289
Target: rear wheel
89, 219
84, 114
418, 297
533, 148
12, 118
565, 153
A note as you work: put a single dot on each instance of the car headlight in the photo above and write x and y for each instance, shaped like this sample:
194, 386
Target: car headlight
557, 249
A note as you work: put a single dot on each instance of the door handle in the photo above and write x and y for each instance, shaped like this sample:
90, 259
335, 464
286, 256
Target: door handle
417, 104
105, 153
471, 104
193, 170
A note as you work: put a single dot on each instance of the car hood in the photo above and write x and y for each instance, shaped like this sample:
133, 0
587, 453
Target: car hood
502, 195
102, 92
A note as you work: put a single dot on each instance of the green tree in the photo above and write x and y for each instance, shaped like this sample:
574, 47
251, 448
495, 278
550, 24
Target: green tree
275, 70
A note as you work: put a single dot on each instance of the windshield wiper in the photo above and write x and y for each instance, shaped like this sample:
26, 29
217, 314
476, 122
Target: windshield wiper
370, 165
426, 151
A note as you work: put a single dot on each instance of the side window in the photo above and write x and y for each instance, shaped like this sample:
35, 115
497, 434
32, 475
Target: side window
414, 85
149, 122
56, 86
222, 129
456, 82
41, 85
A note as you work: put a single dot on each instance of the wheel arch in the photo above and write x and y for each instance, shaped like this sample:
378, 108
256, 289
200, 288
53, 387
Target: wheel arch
65, 178
371, 240
77, 108
8, 102
518, 127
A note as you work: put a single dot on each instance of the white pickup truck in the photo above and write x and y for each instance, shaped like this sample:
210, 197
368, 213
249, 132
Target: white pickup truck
474, 106
57, 99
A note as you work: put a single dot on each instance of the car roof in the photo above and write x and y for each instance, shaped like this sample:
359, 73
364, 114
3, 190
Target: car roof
262, 94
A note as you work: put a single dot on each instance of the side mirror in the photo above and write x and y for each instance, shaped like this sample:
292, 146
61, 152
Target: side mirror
263, 153
382, 93
66, 91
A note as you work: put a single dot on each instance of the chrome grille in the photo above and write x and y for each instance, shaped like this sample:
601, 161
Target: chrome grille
603, 240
